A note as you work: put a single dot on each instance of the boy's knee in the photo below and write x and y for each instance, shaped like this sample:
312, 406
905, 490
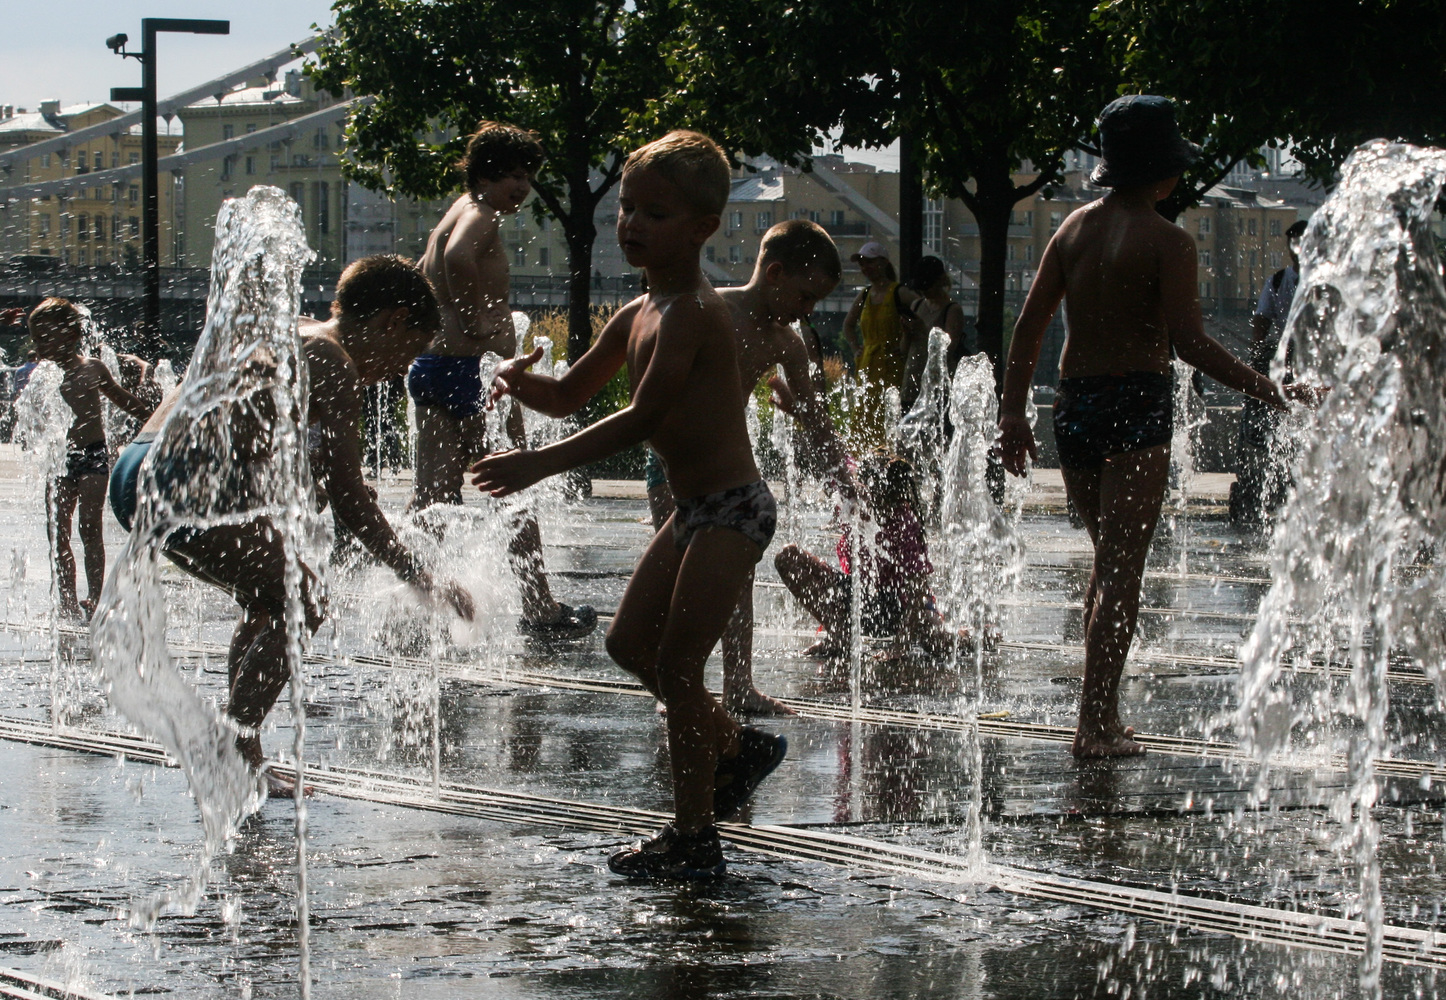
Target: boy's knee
624, 653
786, 556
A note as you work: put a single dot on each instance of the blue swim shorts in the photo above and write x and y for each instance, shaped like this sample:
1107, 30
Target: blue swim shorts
449, 383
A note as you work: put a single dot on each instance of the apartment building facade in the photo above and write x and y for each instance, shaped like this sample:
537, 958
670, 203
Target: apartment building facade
94, 226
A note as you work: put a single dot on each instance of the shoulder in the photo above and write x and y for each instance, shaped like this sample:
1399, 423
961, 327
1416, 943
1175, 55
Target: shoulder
329, 366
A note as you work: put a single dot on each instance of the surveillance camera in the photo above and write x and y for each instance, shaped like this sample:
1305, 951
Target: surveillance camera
116, 42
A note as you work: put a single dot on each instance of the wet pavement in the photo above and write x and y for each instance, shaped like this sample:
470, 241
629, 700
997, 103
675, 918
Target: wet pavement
410, 899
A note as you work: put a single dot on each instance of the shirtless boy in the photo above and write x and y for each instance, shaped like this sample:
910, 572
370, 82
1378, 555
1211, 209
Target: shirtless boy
798, 265
466, 262
1127, 278
384, 313
680, 347
56, 330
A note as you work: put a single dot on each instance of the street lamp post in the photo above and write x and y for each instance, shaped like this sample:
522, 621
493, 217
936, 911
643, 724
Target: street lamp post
150, 181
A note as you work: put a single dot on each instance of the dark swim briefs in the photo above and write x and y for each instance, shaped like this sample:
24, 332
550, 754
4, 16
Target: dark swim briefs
1096, 416
92, 460
450, 383
748, 509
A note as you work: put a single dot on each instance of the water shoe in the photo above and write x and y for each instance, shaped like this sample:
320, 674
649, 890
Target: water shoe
673, 855
736, 778
571, 623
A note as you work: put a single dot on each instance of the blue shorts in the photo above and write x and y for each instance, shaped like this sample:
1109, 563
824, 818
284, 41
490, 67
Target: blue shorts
124, 478
448, 383
653, 474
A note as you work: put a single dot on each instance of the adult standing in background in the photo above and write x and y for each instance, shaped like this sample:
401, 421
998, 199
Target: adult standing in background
934, 309
875, 330
1263, 453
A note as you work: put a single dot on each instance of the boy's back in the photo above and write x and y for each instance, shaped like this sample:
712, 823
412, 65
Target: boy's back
467, 265
1113, 257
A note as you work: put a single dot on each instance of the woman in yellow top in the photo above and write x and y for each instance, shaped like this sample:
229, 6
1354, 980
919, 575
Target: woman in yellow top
878, 318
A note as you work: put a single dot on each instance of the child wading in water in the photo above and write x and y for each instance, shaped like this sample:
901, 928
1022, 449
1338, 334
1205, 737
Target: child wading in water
56, 329
383, 315
680, 347
1127, 278
894, 569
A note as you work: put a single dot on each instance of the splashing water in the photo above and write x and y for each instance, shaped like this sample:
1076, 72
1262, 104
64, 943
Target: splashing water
241, 412
921, 430
1368, 320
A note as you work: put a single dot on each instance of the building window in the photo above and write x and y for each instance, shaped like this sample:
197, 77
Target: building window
45, 159
544, 256
1251, 227
1029, 253
45, 225
100, 229
519, 221
135, 158
1055, 219
133, 194
1204, 258
250, 165
735, 254
1025, 218
1011, 251
1274, 227
80, 256
250, 128
228, 131
1252, 260
298, 194
709, 254
934, 225
115, 160
321, 195
133, 223
228, 164
519, 256
1204, 289
735, 219
99, 160
82, 227
1275, 258
1204, 229
762, 221
275, 164
836, 217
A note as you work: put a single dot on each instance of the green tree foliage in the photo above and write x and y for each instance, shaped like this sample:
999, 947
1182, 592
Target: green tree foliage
580, 73
1325, 75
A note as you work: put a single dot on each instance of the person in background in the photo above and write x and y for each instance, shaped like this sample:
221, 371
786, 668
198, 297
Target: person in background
876, 329
1262, 474
934, 309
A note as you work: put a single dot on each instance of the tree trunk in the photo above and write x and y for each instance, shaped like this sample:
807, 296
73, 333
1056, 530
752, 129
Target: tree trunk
994, 205
581, 235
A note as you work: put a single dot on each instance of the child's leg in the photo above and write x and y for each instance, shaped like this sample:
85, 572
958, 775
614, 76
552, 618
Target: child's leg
709, 580
637, 628
60, 499
818, 587
739, 693
1131, 488
441, 458
524, 552
91, 490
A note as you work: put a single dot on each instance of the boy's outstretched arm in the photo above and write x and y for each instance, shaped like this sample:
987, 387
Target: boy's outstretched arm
1016, 439
113, 390
1179, 295
680, 332
809, 409
565, 396
341, 475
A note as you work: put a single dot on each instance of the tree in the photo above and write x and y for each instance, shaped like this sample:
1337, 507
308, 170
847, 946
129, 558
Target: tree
577, 72
1322, 75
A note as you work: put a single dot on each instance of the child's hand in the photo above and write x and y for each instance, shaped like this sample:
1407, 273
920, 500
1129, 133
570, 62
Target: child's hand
783, 397
507, 375
454, 594
509, 472
1016, 439
1311, 395
11, 317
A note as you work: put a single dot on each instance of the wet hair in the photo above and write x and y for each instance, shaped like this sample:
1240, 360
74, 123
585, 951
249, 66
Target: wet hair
691, 161
889, 480
1296, 230
497, 149
798, 244
928, 271
385, 281
55, 311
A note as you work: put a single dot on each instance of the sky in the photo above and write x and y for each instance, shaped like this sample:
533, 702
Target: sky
57, 49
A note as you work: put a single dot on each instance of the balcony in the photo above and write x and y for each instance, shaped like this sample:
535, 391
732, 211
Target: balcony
857, 228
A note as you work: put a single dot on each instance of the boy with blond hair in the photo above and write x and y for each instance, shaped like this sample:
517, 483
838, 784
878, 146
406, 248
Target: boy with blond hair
798, 265
56, 328
466, 261
680, 346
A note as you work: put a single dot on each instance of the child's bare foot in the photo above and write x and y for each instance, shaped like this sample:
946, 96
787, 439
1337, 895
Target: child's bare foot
754, 702
1097, 744
69, 609
278, 787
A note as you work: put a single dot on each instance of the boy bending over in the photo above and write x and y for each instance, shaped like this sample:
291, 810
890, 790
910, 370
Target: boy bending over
1127, 278
680, 347
384, 313
798, 265
56, 329
467, 264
